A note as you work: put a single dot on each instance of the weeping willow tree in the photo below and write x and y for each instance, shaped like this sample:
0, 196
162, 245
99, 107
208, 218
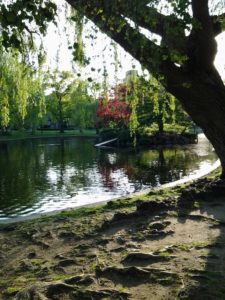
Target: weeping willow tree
36, 104
4, 92
178, 49
82, 106
20, 91
61, 84
155, 104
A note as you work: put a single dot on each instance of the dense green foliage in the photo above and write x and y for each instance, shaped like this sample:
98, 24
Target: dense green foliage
69, 103
32, 98
22, 97
142, 105
157, 108
23, 100
83, 107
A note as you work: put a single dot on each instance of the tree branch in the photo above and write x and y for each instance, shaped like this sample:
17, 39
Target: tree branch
120, 31
116, 27
203, 35
170, 28
149, 18
218, 24
144, 16
200, 10
155, 58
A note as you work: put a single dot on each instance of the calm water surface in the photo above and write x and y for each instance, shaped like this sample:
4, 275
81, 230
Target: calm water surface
43, 175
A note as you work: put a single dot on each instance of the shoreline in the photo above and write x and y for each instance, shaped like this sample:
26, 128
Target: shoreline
189, 180
88, 134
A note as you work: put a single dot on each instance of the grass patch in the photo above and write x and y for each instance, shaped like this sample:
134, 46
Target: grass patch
164, 254
188, 246
196, 204
81, 212
215, 174
56, 277
11, 291
37, 262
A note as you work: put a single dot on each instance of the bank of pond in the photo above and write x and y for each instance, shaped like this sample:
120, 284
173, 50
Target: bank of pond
48, 174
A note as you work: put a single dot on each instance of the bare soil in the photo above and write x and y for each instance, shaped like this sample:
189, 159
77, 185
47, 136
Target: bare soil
166, 245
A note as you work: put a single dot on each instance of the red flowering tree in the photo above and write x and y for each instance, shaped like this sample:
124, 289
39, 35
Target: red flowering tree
114, 111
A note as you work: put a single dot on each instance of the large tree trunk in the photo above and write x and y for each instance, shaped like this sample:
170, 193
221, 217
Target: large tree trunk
204, 100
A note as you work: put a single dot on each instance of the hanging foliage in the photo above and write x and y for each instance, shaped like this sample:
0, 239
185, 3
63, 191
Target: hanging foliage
20, 89
78, 47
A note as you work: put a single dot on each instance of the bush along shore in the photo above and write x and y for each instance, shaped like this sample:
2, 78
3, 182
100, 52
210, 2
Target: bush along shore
147, 139
168, 244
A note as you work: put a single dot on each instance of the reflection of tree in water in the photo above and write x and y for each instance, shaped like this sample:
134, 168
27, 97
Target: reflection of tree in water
62, 164
165, 165
106, 171
30, 170
152, 167
107, 168
33, 171
168, 165
21, 173
71, 162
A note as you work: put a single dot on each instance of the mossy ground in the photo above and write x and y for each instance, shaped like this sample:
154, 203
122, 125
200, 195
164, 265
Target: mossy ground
158, 246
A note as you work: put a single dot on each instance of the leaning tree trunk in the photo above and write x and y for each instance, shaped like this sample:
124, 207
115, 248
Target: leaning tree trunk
204, 100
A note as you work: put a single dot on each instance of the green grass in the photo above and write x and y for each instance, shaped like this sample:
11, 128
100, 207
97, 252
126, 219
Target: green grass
22, 134
123, 203
11, 291
168, 129
194, 245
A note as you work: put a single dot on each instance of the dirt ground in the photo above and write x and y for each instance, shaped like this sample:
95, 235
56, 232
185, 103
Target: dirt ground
166, 245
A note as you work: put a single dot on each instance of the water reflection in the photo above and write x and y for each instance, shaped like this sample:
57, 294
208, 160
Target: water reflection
46, 175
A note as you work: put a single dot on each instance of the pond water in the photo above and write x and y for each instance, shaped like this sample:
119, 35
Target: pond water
44, 175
